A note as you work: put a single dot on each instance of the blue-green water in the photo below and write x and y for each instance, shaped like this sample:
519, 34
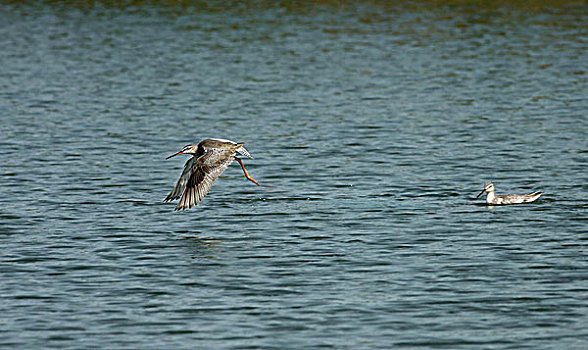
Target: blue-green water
373, 128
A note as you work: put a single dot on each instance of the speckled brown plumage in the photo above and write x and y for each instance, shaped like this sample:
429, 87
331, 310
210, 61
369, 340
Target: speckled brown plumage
209, 159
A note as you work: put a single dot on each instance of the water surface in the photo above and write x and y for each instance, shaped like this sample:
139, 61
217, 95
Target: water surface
373, 128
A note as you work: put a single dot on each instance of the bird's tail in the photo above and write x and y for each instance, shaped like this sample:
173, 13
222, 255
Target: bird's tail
242, 151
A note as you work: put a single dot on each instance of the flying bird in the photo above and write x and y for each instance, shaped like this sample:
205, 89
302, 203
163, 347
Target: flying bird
208, 160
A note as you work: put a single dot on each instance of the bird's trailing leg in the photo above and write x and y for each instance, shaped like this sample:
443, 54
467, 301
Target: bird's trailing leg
245, 172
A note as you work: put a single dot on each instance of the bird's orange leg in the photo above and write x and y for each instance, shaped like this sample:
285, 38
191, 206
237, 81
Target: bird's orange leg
245, 172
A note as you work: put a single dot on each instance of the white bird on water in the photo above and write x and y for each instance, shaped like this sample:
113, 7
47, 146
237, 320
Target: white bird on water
208, 160
492, 198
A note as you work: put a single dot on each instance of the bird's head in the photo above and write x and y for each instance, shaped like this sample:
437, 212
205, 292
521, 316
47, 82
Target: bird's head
488, 188
188, 149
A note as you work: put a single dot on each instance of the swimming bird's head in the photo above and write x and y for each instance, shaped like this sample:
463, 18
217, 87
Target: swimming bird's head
488, 188
188, 149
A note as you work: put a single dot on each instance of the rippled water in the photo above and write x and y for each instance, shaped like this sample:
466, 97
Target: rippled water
373, 128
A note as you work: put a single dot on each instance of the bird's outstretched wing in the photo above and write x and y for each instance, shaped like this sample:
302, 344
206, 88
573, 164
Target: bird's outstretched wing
182, 181
199, 176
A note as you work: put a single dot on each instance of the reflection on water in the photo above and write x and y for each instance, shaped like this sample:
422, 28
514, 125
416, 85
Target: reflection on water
204, 248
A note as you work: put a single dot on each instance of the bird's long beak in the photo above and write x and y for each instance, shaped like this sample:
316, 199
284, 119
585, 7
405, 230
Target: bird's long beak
484, 190
177, 154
